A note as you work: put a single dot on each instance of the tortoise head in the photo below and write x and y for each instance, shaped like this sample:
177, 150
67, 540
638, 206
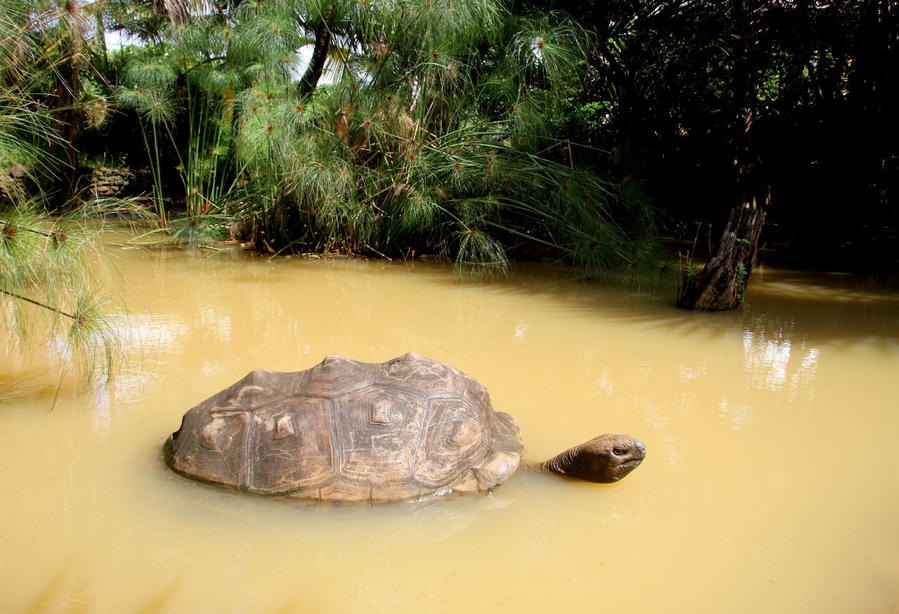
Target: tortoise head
606, 458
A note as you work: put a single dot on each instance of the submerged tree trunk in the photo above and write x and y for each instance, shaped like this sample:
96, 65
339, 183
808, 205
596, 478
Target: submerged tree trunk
721, 284
317, 62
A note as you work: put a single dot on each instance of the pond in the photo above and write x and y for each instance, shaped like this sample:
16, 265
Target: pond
771, 481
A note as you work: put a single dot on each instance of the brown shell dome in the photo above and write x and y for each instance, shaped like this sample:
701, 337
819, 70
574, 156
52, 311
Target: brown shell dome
350, 431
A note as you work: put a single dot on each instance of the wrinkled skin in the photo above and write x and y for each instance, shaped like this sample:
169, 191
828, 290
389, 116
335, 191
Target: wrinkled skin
606, 458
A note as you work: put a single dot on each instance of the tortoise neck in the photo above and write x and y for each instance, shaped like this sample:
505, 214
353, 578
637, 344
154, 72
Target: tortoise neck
561, 463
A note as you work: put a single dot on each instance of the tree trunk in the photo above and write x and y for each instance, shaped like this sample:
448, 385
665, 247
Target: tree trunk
68, 117
721, 284
317, 62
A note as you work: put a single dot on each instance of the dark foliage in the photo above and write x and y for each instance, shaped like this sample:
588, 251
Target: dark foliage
816, 89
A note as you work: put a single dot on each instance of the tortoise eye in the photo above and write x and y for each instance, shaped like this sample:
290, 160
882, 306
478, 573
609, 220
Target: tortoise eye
619, 450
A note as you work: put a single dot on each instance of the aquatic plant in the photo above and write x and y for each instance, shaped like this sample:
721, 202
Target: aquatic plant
46, 284
433, 131
435, 136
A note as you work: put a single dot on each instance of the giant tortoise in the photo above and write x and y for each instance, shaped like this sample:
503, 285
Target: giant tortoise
344, 430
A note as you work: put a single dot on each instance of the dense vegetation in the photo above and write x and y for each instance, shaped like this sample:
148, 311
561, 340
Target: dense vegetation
783, 106
479, 130
433, 133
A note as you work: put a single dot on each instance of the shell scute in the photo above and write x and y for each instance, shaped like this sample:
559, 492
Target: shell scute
426, 377
476, 394
210, 447
377, 432
454, 439
333, 376
291, 446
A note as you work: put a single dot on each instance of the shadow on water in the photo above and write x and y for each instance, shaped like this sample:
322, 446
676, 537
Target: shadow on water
377, 524
46, 597
819, 307
22, 385
293, 604
40, 389
161, 599
786, 304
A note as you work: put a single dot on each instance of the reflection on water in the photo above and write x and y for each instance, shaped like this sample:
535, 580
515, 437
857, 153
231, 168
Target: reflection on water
773, 363
770, 482
766, 360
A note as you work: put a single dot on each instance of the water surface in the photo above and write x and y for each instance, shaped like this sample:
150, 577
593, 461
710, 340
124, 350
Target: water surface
771, 482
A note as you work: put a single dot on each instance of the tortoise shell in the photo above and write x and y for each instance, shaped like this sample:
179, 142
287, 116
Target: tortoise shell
350, 431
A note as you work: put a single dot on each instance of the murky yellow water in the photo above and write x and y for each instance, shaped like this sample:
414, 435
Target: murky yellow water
771, 482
